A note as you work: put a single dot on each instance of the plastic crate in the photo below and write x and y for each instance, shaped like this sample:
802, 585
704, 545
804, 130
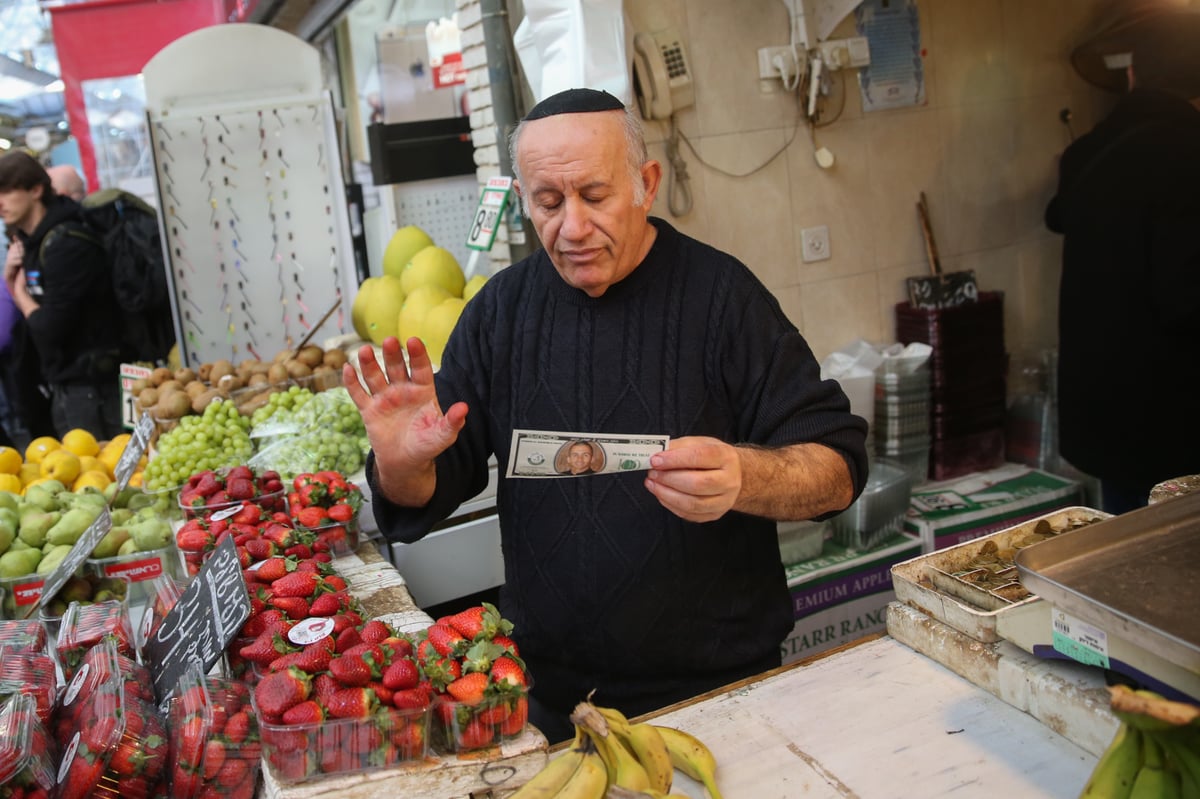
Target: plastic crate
215, 746
458, 727
878, 513
27, 755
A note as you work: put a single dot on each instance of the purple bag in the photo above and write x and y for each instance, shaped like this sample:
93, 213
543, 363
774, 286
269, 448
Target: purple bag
8, 319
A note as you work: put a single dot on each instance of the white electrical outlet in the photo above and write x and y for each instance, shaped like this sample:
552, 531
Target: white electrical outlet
766, 63
815, 243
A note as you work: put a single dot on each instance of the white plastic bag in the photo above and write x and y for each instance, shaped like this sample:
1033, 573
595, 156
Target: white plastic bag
571, 44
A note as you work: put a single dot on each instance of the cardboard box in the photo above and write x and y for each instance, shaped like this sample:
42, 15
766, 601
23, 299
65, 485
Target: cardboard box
950, 512
842, 595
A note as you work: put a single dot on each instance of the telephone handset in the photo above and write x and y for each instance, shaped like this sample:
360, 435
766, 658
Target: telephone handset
661, 76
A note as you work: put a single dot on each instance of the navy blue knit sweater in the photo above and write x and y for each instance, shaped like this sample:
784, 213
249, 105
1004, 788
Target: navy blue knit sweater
606, 588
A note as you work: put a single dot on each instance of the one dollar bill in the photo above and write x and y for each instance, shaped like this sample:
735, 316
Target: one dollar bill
546, 453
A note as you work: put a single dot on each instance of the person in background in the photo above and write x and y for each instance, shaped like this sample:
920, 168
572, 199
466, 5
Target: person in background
67, 182
26, 412
649, 587
58, 278
1128, 208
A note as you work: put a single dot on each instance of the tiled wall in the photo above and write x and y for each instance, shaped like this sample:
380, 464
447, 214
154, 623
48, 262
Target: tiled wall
983, 148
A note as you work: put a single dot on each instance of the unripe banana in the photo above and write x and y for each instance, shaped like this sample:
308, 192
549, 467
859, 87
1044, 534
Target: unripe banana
623, 768
554, 775
646, 744
689, 754
1185, 754
589, 781
1154, 780
1117, 767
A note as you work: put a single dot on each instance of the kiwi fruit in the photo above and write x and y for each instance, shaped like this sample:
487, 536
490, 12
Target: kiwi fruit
297, 369
310, 355
170, 385
201, 400
136, 386
219, 369
173, 405
185, 375
325, 378
335, 358
281, 356
257, 379
195, 389
160, 375
278, 373
147, 398
254, 403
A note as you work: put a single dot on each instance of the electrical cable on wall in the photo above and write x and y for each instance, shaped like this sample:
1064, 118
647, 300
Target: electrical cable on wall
678, 182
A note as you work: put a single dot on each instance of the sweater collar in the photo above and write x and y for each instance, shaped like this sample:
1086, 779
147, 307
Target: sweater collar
633, 283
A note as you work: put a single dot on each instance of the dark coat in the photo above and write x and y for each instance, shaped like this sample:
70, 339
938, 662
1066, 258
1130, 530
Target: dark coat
1128, 205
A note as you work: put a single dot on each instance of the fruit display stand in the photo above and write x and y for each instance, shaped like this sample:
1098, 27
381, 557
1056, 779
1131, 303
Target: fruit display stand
382, 592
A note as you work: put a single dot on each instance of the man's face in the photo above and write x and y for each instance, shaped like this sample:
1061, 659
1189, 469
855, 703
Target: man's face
575, 177
17, 207
579, 458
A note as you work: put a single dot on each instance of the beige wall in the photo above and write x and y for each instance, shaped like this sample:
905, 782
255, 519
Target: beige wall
983, 149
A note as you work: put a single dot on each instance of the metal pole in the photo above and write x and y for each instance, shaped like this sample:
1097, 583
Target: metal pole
497, 39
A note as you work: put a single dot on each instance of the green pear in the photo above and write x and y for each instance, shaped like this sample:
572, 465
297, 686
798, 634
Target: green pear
35, 526
150, 534
19, 562
128, 548
110, 495
9, 500
76, 589
9, 515
8, 534
139, 499
120, 516
41, 496
51, 557
71, 526
111, 543
18, 544
88, 497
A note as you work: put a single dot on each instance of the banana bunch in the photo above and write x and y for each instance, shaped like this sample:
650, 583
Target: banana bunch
614, 758
1155, 753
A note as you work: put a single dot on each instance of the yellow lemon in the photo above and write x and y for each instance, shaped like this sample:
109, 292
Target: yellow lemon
30, 472
62, 465
38, 448
438, 324
433, 266
90, 463
96, 479
119, 441
135, 480
10, 483
109, 458
416, 306
81, 442
10, 461
404, 244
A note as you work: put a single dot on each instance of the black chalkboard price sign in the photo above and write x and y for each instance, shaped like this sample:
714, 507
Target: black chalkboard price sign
205, 619
138, 441
79, 553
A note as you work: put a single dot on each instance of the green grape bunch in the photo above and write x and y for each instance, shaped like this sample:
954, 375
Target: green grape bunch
218, 437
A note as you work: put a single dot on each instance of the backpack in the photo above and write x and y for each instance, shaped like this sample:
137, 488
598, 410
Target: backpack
126, 228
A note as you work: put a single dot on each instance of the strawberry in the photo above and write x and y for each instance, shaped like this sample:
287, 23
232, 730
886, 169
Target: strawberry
409, 740
235, 771
401, 674
351, 703
469, 688
350, 670
207, 484
410, 699
507, 643
336, 582
316, 657
259, 622
301, 551
481, 656
482, 620
381, 691
375, 631
442, 671
324, 686
193, 540
268, 646
446, 640
327, 604
341, 512
307, 712
239, 727
240, 488
296, 584
346, 639
260, 548
506, 670
475, 735
214, 758
277, 692
295, 607
240, 472
274, 568
397, 646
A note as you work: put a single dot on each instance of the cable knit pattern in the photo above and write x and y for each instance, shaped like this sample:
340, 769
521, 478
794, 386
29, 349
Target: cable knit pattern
604, 585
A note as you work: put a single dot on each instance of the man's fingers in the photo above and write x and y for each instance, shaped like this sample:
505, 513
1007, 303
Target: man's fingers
420, 367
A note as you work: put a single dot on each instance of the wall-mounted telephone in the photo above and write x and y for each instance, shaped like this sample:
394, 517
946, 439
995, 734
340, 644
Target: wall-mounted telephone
662, 78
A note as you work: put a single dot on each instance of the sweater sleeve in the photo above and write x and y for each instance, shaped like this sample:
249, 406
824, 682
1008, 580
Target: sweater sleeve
73, 272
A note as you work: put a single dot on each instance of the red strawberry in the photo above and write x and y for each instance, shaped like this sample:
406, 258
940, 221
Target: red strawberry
446, 640
475, 735
277, 692
381, 691
410, 699
238, 727
298, 583
273, 568
214, 758
260, 548
316, 657
375, 631
507, 643
351, 703
259, 622
312, 517
324, 686
207, 485
240, 472
336, 582
328, 604
442, 671
401, 674
482, 620
409, 740
234, 773
265, 648
341, 512
350, 670
346, 639
469, 688
397, 646
505, 670
193, 540
295, 607
240, 488
307, 712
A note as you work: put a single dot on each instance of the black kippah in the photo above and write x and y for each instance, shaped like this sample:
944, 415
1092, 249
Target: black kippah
575, 101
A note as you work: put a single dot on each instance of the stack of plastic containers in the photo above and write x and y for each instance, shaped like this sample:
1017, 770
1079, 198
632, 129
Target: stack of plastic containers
902, 412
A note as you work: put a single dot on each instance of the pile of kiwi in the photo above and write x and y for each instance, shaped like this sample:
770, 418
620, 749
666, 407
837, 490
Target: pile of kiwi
168, 395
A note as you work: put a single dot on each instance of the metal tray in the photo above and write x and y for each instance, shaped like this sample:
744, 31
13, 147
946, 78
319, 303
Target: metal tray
927, 581
1136, 576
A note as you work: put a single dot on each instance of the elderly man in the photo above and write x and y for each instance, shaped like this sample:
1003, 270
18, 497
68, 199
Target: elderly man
650, 587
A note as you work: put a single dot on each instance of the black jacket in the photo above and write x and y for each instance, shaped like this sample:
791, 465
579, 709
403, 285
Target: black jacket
76, 329
1128, 204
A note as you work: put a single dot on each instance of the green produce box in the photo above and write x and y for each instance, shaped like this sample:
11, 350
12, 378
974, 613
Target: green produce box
20, 595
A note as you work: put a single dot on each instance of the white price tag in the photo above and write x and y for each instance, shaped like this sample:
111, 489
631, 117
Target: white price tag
489, 213
129, 409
